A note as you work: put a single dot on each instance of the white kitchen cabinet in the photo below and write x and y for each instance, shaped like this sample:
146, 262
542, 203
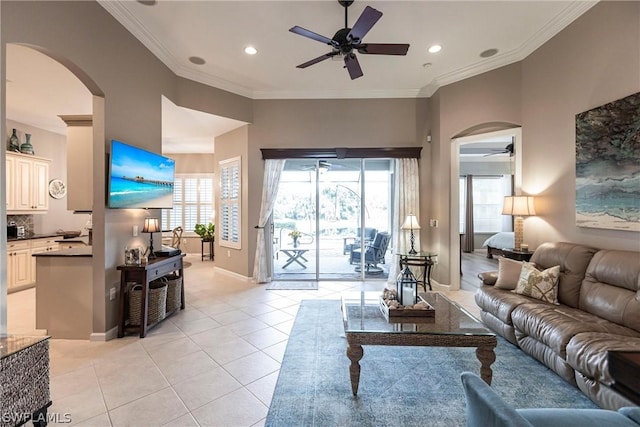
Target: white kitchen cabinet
10, 171
28, 184
18, 264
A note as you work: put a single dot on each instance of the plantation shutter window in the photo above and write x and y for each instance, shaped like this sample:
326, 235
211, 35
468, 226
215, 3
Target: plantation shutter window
230, 212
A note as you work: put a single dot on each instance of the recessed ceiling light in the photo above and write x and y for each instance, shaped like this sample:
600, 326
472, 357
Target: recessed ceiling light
148, 2
197, 60
435, 48
250, 50
427, 65
488, 53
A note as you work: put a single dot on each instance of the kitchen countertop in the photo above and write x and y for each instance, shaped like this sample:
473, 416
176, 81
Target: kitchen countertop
11, 344
32, 236
79, 239
81, 251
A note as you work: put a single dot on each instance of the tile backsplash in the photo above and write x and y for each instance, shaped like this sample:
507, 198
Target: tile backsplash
22, 220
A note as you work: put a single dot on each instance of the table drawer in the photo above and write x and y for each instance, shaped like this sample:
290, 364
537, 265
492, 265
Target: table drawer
158, 271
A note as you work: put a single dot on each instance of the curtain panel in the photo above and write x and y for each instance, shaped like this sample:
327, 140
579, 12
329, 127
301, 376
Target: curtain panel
271, 181
406, 201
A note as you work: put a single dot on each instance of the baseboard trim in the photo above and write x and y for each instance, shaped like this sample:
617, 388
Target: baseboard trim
104, 336
232, 274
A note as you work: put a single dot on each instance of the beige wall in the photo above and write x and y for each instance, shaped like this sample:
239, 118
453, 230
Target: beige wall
483, 103
596, 60
593, 61
228, 146
193, 163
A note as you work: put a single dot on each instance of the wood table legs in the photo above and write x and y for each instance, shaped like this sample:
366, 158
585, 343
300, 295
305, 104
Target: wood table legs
486, 356
354, 353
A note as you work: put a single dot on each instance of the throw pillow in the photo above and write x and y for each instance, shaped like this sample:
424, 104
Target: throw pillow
542, 285
508, 273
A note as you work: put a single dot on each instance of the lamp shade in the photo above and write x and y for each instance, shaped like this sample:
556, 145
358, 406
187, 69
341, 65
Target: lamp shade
411, 223
151, 225
518, 206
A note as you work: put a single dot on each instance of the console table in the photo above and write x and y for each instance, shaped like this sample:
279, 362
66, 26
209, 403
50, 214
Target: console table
143, 274
424, 260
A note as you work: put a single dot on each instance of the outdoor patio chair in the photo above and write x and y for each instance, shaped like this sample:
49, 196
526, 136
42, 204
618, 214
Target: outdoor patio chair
374, 253
351, 243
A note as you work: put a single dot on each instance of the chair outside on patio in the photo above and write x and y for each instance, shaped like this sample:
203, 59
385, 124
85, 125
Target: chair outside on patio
374, 253
351, 243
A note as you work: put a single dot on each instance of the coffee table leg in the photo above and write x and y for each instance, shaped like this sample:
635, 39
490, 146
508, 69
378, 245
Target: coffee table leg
354, 353
486, 356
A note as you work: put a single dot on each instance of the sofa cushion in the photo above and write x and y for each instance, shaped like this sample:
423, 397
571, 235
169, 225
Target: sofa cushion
573, 261
499, 302
542, 285
611, 287
587, 352
508, 273
554, 326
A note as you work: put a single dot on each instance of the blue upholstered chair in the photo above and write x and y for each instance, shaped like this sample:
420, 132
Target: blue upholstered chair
486, 409
374, 253
350, 243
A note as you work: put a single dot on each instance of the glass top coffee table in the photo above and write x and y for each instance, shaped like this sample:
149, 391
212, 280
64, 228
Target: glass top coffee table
452, 326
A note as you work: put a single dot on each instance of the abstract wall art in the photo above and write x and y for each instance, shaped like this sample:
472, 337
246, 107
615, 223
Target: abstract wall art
608, 165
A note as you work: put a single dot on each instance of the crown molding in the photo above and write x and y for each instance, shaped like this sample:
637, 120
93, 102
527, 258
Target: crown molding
335, 94
553, 27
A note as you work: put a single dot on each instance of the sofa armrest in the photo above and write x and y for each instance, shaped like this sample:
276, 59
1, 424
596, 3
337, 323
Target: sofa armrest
488, 277
486, 408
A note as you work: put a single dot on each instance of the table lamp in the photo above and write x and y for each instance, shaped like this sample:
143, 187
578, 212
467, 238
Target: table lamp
518, 206
151, 225
411, 223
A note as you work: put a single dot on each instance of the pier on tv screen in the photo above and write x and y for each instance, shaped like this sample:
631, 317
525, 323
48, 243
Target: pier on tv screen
139, 178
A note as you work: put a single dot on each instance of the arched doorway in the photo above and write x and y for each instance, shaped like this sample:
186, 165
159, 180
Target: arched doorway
39, 87
456, 143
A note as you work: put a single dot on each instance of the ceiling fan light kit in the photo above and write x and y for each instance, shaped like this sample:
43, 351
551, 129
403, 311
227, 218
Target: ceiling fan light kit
348, 40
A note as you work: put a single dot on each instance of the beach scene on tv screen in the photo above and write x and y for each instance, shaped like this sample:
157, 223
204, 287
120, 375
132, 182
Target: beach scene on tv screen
139, 178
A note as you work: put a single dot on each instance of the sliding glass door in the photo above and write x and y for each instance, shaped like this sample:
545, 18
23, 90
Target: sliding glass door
327, 217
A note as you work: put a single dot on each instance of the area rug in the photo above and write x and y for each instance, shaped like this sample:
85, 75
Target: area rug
399, 386
293, 286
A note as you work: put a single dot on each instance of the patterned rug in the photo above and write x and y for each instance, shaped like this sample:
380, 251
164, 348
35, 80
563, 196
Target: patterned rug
399, 386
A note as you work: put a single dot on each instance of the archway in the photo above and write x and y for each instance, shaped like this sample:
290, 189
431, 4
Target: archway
456, 142
31, 79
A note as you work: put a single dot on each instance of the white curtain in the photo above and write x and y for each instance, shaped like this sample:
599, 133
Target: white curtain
406, 201
272, 171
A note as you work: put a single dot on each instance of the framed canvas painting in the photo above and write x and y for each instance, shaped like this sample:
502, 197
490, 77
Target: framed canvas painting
608, 165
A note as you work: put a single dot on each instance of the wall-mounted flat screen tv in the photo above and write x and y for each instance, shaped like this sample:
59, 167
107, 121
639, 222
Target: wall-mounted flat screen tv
139, 178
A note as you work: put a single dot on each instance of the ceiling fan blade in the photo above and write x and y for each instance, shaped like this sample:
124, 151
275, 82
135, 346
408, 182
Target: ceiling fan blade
383, 48
318, 59
353, 66
311, 35
367, 19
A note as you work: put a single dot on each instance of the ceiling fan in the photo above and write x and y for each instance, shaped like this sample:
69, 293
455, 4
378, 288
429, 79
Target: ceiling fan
505, 150
347, 40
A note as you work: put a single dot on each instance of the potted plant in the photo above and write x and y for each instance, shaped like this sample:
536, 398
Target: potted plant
206, 232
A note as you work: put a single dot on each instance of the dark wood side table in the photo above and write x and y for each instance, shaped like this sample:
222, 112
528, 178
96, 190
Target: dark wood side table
516, 254
143, 274
202, 252
424, 260
624, 367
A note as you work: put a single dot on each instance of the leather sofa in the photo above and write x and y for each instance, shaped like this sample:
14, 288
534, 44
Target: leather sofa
598, 310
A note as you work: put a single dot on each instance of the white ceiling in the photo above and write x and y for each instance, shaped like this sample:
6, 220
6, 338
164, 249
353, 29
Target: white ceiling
39, 89
218, 32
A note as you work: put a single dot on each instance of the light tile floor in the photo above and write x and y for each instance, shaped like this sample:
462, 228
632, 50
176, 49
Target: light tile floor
215, 363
